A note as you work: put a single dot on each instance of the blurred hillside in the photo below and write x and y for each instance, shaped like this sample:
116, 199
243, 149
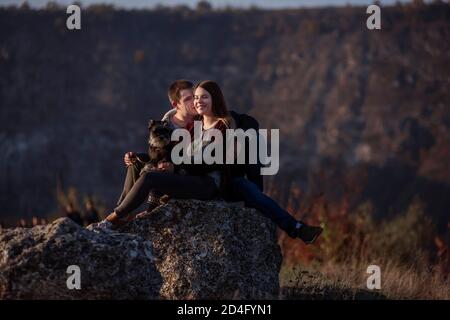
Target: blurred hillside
362, 114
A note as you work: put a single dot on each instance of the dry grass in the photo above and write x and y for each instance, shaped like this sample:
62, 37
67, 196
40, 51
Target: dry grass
348, 281
414, 260
397, 281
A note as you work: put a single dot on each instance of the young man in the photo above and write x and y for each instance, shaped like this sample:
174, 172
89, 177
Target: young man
181, 115
138, 184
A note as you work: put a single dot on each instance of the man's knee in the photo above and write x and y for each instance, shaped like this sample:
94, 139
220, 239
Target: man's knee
133, 170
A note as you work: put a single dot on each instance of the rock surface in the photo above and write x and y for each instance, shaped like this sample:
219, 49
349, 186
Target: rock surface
34, 262
212, 250
183, 250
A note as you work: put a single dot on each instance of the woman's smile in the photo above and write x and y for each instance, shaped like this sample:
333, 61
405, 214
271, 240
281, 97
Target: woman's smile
200, 106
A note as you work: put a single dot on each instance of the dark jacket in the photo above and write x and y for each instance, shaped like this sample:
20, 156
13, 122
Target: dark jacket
251, 171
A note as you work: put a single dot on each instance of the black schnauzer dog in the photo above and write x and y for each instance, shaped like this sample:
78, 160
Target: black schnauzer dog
159, 142
159, 150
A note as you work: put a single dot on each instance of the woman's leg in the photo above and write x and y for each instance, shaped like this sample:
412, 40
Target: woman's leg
175, 185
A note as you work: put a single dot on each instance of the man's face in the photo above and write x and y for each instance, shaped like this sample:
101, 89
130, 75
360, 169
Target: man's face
186, 102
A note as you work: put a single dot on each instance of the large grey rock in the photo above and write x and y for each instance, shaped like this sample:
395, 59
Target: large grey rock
34, 262
212, 250
183, 250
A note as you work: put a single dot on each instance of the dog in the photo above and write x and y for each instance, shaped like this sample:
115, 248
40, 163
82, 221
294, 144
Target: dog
159, 151
160, 145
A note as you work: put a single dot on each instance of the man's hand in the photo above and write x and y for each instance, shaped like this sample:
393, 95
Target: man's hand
129, 158
165, 166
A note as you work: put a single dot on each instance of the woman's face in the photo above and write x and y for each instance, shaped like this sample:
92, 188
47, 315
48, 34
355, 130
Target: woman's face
203, 102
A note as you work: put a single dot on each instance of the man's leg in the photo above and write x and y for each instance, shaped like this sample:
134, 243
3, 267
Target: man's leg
175, 185
254, 198
130, 179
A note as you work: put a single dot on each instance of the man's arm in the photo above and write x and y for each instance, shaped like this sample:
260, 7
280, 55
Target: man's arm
143, 157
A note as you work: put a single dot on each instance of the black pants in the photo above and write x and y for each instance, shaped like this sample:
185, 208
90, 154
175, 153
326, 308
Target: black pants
137, 188
133, 173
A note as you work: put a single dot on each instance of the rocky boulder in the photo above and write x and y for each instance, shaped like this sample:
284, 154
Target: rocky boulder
212, 250
34, 264
183, 250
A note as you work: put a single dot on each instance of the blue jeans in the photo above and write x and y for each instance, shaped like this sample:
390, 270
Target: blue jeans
243, 189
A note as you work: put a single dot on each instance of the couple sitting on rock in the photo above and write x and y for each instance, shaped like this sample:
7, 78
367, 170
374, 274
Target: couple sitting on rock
232, 182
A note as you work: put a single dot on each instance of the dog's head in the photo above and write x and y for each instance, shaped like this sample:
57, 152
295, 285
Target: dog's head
159, 133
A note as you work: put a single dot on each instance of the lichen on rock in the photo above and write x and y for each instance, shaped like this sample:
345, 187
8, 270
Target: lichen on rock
34, 263
212, 250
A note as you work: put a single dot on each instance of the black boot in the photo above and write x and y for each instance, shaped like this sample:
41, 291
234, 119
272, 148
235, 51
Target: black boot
307, 233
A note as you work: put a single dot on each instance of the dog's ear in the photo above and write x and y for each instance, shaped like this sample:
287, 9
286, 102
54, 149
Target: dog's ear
150, 123
165, 123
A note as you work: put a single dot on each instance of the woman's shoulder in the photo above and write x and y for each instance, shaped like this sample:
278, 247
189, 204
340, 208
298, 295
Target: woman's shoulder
220, 125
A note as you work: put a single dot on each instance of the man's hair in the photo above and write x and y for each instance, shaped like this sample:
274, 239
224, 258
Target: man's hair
176, 87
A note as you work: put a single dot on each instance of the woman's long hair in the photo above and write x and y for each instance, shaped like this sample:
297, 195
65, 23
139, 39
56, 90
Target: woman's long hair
219, 106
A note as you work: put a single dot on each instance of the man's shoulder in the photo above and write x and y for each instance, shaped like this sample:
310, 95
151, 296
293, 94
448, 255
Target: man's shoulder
244, 121
168, 115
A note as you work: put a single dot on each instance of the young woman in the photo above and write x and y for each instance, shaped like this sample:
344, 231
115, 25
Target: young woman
212, 111
211, 107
